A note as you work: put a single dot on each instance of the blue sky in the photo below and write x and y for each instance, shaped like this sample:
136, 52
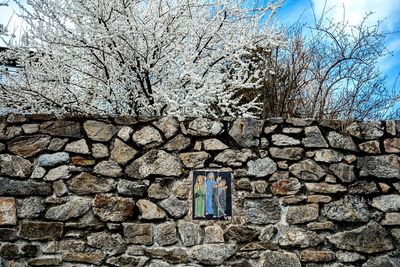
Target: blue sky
387, 11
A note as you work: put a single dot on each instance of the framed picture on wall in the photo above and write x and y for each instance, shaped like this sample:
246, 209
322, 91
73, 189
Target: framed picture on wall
212, 195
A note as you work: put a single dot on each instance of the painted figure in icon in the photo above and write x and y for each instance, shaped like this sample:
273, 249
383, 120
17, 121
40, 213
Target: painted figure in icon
219, 197
210, 182
200, 197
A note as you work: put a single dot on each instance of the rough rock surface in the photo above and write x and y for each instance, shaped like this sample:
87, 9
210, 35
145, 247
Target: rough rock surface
83, 190
155, 162
246, 132
371, 238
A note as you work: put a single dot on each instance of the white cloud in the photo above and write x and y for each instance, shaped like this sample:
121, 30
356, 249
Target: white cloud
355, 11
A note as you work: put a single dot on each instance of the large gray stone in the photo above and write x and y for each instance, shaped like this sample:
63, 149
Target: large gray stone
74, 208
387, 202
262, 211
86, 183
29, 146
341, 141
147, 136
108, 168
158, 191
284, 140
99, 131
261, 167
387, 166
49, 160
212, 254
194, 159
365, 130
363, 188
131, 188
371, 238
213, 145
60, 172
246, 132
307, 170
79, 147
30, 207
178, 143
382, 261
166, 234
302, 214
24, 188
109, 243
279, 259
149, 211
154, 162
293, 236
289, 153
314, 137
175, 208
168, 125
213, 234
190, 233
328, 155
234, 158
348, 208
15, 166
205, 127
343, 171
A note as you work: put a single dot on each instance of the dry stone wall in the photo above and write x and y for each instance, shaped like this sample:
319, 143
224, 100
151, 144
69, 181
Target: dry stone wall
93, 191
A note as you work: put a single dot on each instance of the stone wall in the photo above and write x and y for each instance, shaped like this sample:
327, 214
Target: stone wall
91, 191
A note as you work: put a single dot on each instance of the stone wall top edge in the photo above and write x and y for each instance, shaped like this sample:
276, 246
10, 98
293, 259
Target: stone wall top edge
131, 119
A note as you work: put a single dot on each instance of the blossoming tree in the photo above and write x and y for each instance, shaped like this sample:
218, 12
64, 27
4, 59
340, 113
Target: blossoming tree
142, 57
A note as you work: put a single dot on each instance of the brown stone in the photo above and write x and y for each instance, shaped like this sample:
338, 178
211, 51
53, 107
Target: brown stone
138, 233
121, 152
321, 225
371, 147
89, 257
62, 128
86, 183
111, 208
82, 161
45, 261
292, 200
99, 131
36, 230
8, 213
194, 159
286, 187
309, 255
319, 199
29, 146
325, 188
392, 145
302, 214
171, 254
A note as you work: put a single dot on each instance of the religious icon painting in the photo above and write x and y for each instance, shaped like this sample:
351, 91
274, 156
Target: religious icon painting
212, 195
